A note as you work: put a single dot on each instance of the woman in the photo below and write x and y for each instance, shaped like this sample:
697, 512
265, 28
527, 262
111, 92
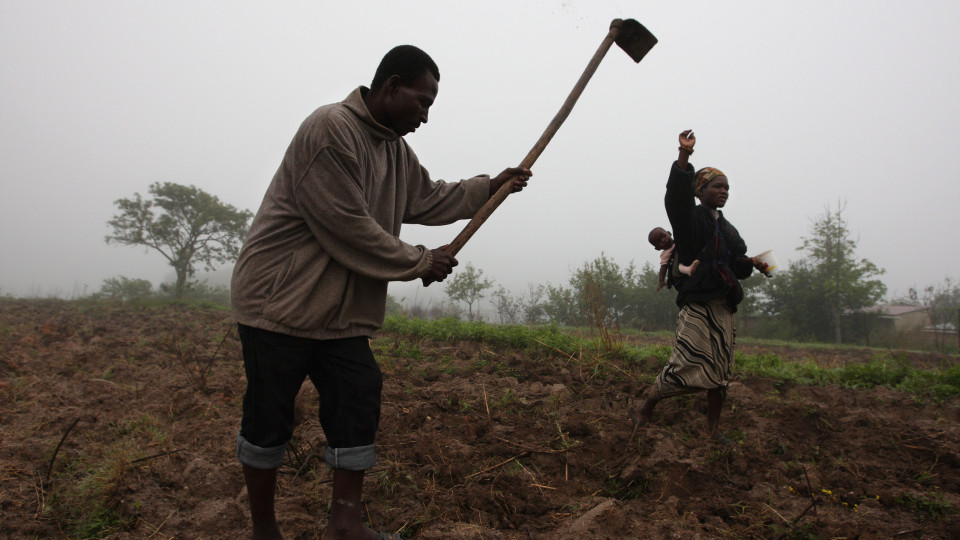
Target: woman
702, 357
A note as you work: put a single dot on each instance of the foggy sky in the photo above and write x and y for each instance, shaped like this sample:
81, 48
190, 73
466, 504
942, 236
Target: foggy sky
803, 104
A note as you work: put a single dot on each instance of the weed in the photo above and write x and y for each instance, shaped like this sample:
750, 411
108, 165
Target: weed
196, 366
626, 490
506, 399
929, 505
83, 496
146, 426
720, 455
393, 477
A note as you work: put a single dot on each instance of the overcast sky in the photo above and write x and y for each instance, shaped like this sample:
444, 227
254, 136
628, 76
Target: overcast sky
803, 104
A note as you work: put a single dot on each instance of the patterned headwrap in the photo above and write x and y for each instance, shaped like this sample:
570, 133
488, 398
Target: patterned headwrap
705, 175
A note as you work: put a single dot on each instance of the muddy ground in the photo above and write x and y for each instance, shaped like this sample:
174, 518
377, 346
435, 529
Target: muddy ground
119, 421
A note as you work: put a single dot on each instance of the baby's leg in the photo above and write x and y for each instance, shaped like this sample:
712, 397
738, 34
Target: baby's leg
689, 270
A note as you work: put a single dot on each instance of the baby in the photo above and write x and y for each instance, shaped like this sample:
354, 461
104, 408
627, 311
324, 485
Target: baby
662, 240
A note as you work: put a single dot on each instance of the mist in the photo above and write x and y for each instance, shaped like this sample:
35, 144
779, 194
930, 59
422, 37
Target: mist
802, 104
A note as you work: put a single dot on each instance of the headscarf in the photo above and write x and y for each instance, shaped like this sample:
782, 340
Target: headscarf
705, 175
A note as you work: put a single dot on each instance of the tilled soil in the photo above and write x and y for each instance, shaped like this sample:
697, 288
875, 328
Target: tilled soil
120, 421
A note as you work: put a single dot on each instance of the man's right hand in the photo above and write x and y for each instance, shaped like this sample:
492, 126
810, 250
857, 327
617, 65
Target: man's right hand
443, 263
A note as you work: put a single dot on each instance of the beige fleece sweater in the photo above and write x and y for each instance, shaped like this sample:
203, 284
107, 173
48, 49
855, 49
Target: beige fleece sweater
324, 243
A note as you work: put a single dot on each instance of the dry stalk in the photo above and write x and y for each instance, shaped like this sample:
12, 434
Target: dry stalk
502, 463
57, 449
197, 367
600, 318
486, 404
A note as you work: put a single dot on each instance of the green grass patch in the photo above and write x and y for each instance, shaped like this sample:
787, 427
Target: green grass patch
883, 371
643, 360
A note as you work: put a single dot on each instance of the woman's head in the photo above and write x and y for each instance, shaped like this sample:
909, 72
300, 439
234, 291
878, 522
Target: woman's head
712, 187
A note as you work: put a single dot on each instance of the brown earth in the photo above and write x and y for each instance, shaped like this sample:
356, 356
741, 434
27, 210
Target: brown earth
121, 414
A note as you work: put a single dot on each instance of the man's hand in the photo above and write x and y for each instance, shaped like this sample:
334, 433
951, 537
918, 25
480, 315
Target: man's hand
519, 176
443, 263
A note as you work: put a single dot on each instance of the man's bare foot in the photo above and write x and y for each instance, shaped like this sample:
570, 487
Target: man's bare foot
272, 534
360, 533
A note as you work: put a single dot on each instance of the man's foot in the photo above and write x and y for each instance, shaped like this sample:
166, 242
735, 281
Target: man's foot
361, 533
271, 535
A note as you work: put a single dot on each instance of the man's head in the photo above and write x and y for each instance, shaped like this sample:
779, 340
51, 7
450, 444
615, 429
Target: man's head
712, 187
660, 238
403, 89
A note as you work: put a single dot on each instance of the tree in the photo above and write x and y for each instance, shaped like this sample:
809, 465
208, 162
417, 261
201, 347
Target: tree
532, 304
124, 288
829, 282
629, 297
188, 226
468, 286
943, 307
508, 308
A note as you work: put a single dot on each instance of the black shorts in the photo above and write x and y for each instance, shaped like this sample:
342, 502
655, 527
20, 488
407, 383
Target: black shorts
346, 376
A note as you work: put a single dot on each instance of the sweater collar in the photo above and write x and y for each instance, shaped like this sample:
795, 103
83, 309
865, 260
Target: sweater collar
354, 102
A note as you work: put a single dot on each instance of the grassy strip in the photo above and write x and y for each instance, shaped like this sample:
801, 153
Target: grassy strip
518, 337
886, 370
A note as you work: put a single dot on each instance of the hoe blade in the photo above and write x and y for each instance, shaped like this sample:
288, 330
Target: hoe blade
634, 38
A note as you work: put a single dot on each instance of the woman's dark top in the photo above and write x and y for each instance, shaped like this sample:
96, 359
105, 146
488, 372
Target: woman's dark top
723, 260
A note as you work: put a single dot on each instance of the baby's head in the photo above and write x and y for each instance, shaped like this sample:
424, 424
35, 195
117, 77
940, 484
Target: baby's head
660, 238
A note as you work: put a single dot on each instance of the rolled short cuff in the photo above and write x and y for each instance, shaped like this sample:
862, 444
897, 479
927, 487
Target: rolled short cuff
257, 456
358, 458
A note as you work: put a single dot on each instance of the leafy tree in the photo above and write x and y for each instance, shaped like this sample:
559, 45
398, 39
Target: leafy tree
468, 286
394, 306
188, 226
576, 305
650, 309
123, 288
830, 281
942, 303
508, 308
629, 295
532, 304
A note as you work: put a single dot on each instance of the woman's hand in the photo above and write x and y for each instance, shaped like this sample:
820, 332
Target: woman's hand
761, 266
687, 140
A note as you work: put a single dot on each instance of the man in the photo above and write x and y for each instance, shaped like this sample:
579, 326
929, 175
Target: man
310, 284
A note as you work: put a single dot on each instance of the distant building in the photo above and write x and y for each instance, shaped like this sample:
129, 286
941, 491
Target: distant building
901, 318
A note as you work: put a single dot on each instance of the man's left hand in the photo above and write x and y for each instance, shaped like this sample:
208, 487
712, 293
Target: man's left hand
519, 175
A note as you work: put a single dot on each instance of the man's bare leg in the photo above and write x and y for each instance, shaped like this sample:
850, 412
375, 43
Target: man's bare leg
261, 485
345, 518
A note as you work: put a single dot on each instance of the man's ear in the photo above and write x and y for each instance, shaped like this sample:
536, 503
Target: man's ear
392, 84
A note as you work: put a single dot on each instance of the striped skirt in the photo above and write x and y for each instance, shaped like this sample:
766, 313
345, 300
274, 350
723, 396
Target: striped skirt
702, 357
